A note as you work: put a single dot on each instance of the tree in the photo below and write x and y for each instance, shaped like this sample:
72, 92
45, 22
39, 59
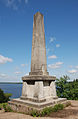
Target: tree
4, 97
67, 89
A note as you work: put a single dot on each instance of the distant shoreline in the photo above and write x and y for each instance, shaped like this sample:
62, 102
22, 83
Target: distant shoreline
11, 82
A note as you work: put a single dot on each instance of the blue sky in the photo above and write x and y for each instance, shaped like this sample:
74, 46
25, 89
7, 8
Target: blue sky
61, 35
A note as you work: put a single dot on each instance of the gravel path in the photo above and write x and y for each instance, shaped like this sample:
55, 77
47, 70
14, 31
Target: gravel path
70, 112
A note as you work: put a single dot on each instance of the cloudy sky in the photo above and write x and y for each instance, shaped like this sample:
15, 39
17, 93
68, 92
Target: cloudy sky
61, 35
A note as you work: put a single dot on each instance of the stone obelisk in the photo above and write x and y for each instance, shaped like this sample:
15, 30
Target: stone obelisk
38, 89
38, 59
38, 83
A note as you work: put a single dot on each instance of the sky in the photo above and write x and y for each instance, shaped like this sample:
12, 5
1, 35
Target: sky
61, 35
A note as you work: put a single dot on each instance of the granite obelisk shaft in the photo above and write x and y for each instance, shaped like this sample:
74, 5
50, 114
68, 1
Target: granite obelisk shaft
38, 59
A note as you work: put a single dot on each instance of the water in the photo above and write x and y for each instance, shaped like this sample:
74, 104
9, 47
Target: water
14, 89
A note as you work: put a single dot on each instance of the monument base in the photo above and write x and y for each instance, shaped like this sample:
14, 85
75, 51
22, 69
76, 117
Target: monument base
26, 106
38, 88
38, 92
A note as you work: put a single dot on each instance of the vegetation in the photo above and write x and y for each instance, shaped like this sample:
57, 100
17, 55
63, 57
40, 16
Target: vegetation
47, 110
66, 89
4, 97
5, 107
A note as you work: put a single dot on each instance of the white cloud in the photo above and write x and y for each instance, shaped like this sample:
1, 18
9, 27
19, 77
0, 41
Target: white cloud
57, 45
9, 3
77, 67
9, 78
23, 65
18, 72
59, 63
26, 1
3, 75
55, 66
72, 71
52, 39
27, 74
14, 4
52, 57
4, 60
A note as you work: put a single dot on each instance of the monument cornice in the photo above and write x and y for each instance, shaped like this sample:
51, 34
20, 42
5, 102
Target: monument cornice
39, 78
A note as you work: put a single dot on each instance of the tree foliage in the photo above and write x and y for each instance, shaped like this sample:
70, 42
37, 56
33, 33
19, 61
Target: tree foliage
4, 97
66, 89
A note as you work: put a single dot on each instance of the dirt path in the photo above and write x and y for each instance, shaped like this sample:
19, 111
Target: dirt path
70, 112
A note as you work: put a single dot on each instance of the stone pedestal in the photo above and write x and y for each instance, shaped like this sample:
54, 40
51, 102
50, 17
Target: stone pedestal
38, 88
38, 92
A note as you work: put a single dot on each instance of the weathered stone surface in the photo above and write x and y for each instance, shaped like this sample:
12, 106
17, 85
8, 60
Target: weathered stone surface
27, 106
39, 78
53, 89
39, 91
38, 59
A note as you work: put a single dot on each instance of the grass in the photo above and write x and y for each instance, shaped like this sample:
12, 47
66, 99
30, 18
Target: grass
47, 110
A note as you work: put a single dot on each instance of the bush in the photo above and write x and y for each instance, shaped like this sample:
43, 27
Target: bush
5, 107
66, 89
46, 111
4, 97
34, 113
8, 109
1, 106
58, 107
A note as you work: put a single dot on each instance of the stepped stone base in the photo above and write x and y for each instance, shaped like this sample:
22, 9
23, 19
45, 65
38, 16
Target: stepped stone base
38, 92
26, 106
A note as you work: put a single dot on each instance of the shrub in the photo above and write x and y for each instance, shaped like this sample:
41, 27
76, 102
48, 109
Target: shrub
66, 89
4, 106
46, 111
4, 97
34, 113
57, 107
1, 106
7, 108
60, 106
